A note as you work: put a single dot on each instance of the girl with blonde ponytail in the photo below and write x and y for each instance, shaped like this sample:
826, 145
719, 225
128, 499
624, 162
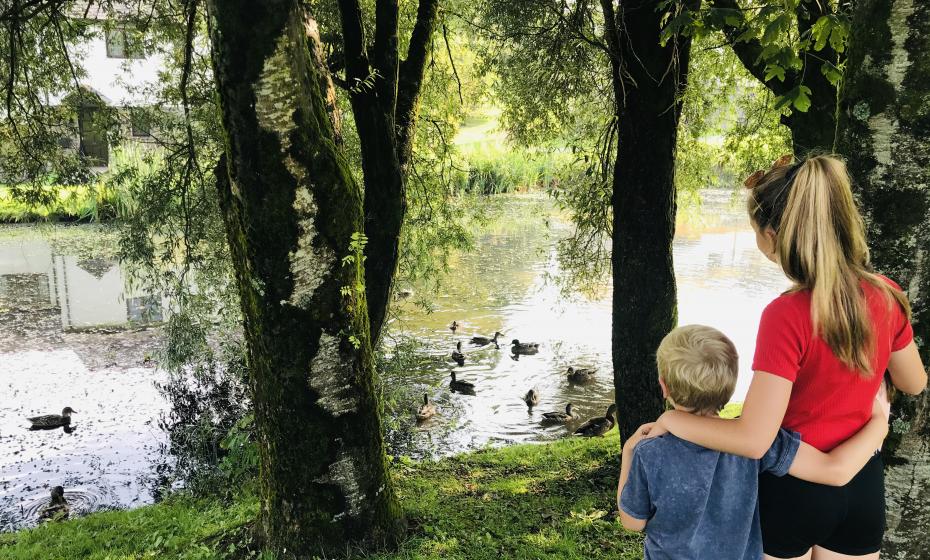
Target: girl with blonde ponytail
821, 353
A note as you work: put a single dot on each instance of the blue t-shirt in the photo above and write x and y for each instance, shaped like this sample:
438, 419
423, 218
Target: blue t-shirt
701, 503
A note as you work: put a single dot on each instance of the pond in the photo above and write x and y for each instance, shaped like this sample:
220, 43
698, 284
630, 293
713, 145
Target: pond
74, 331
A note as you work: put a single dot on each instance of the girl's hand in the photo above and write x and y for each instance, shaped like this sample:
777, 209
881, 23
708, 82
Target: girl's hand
656, 429
638, 435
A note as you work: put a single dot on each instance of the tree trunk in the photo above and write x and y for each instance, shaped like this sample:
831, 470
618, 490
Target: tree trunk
291, 208
814, 130
884, 127
648, 81
384, 92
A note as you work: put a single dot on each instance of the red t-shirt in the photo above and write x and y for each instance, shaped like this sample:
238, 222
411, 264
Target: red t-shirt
829, 402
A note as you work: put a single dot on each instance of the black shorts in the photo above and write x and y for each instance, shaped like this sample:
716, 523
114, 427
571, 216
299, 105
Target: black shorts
796, 515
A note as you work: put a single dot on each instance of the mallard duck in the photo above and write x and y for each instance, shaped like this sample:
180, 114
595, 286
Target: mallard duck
558, 417
52, 420
57, 508
457, 355
518, 347
581, 375
483, 340
531, 398
460, 386
454, 326
598, 426
426, 410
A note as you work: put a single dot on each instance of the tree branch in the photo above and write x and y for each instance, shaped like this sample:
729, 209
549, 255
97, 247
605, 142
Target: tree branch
748, 52
384, 52
410, 80
353, 36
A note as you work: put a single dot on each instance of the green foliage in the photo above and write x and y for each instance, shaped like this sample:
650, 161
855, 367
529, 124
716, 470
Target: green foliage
530, 501
494, 170
786, 38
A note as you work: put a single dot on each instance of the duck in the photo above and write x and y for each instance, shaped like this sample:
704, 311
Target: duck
558, 417
531, 398
598, 426
518, 347
483, 340
580, 375
454, 326
459, 385
457, 355
57, 508
52, 420
426, 410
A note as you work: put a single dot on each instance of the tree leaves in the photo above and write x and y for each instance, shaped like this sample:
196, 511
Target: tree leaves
798, 97
833, 28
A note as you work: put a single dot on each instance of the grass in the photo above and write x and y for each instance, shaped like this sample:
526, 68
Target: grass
548, 501
65, 203
96, 201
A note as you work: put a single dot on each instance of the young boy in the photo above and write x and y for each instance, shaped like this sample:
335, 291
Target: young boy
696, 503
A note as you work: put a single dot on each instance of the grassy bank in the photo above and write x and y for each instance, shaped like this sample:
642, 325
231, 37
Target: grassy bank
528, 501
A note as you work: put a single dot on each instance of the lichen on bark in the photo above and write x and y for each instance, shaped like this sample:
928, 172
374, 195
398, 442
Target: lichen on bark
275, 104
330, 375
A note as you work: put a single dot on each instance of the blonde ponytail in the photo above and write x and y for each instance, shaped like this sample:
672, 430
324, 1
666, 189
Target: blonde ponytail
821, 246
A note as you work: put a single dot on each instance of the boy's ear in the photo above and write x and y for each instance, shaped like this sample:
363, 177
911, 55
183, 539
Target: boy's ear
664, 388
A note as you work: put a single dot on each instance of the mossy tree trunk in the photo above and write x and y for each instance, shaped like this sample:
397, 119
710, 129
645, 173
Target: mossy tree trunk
648, 80
384, 92
885, 135
293, 214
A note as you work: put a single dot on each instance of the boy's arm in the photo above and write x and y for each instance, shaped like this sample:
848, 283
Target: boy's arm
839, 466
628, 521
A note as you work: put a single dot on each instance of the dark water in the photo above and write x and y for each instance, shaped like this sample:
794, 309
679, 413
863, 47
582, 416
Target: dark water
75, 332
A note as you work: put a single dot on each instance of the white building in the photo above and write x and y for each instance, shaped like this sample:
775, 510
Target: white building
121, 70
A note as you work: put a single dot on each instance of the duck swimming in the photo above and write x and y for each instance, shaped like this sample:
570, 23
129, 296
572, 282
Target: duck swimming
426, 410
457, 355
454, 326
461, 386
57, 508
50, 421
598, 426
558, 417
518, 347
483, 340
581, 375
531, 398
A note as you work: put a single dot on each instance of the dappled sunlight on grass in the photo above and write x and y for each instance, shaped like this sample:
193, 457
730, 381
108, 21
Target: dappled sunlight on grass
523, 502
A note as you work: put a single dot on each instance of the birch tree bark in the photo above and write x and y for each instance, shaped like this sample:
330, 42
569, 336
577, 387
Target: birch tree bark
885, 134
294, 221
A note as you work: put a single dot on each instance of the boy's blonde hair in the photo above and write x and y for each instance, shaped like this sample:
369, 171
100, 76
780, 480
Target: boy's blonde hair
699, 366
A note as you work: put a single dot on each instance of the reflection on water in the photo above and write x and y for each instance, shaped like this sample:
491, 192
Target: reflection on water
74, 333
507, 285
85, 292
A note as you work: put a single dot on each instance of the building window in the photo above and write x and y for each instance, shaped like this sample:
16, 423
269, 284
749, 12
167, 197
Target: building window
94, 145
139, 124
124, 42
